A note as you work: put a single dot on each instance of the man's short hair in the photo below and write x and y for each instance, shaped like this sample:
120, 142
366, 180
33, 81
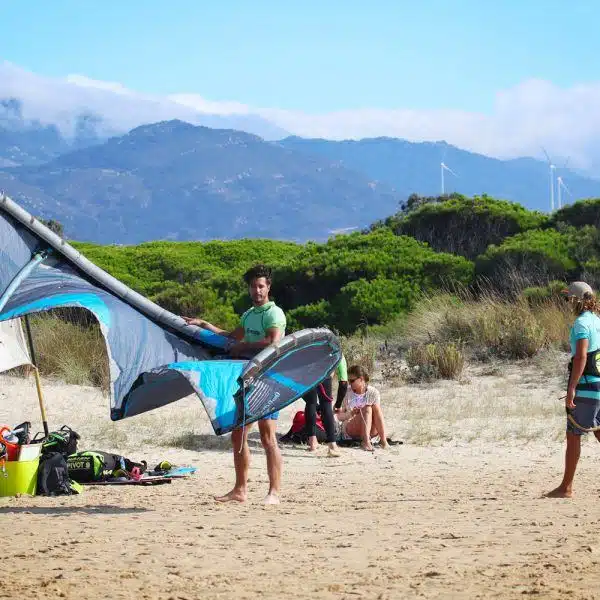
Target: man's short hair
257, 272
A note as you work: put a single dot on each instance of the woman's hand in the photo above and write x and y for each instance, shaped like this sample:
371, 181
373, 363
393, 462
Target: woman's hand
570, 400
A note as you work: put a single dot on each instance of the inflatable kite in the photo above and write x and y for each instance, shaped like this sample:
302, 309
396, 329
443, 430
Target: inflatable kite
155, 357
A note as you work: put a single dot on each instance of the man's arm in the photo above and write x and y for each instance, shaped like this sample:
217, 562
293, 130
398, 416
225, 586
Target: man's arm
341, 394
579, 361
236, 334
272, 336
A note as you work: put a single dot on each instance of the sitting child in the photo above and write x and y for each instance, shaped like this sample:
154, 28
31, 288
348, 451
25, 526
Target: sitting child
360, 416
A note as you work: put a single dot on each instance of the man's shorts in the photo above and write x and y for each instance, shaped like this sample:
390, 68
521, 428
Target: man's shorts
272, 417
586, 413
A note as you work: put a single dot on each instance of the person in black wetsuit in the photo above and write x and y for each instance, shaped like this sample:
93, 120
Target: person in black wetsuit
323, 396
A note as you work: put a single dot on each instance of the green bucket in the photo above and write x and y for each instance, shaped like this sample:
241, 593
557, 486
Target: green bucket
21, 477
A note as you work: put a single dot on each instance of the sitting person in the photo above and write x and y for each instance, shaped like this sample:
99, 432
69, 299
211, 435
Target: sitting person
360, 416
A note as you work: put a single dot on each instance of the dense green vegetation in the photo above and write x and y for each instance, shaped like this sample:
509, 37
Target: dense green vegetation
372, 277
460, 225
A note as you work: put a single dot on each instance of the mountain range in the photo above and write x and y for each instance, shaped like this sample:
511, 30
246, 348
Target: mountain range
179, 181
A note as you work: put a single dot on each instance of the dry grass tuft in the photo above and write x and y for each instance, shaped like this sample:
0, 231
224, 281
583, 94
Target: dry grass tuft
362, 350
488, 326
70, 351
434, 361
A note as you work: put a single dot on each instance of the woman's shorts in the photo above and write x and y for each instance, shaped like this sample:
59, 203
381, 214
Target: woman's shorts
586, 414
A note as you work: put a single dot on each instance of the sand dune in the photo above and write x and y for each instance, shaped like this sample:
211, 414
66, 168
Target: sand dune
455, 512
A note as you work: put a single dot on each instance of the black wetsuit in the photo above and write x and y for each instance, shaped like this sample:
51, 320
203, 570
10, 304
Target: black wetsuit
323, 395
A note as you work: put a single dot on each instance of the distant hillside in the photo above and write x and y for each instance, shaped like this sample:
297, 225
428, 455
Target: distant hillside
173, 180
415, 168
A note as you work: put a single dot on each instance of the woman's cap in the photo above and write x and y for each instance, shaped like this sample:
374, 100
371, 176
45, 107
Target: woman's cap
578, 289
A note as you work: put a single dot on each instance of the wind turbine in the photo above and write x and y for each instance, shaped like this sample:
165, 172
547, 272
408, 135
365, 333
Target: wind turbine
552, 168
444, 167
561, 185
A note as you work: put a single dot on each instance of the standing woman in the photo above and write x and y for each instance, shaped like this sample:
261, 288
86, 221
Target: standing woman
323, 395
583, 392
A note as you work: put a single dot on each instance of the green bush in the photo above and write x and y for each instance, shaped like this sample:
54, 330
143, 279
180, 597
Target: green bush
465, 226
540, 295
578, 214
366, 278
348, 281
527, 259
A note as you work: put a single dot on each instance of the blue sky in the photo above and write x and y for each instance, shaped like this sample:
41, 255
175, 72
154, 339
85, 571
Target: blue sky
310, 56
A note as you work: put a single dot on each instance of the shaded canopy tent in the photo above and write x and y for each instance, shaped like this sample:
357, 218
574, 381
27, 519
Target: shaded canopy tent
15, 352
13, 347
155, 357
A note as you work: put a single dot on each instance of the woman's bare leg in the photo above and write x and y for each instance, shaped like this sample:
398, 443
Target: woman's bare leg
366, 415
572, 453
379, 426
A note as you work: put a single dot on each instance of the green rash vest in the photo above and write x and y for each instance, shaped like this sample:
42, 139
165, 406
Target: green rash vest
258, 319
342, 370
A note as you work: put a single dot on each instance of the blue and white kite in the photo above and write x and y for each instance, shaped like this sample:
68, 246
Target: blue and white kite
155, 357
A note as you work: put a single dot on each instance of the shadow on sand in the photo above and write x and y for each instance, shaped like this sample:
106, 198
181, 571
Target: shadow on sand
69, 510
208, 441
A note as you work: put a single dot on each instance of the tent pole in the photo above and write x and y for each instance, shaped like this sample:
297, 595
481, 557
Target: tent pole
38, 383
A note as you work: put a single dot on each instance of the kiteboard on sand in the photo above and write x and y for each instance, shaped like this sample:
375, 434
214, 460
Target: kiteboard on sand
150, 477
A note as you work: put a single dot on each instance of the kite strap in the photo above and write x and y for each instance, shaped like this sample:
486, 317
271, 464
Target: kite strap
573, 422
576, 424
243, 416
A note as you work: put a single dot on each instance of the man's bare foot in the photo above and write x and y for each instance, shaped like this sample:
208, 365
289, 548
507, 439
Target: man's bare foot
559, 492
232, 496
271, 498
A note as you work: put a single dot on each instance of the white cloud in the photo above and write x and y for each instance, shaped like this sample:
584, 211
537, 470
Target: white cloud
61, 101
206, 106
566, 121
532, 115
111, 86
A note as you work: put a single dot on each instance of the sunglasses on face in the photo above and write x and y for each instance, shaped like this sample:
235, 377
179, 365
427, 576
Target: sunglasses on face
351, 381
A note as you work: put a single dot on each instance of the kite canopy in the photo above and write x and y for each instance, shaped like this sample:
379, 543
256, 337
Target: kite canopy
155, 358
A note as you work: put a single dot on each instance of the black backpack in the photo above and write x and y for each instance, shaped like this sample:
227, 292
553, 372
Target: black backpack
53, 476
64, 441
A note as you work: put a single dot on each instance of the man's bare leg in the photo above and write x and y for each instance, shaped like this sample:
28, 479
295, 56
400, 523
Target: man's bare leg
241, 462
268, 437
572, 453
379, 425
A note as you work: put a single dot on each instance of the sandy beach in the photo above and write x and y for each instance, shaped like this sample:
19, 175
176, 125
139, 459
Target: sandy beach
455, 512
